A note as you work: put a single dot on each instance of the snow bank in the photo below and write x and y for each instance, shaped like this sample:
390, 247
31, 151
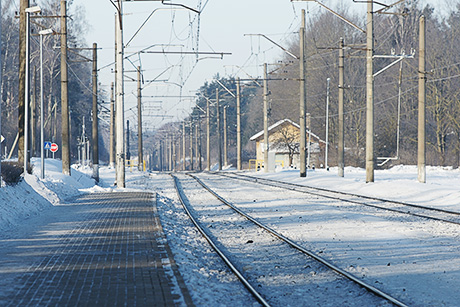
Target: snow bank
397, 183
32, 196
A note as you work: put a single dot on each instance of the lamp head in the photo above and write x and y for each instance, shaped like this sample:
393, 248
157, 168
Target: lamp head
46, 32
33, 9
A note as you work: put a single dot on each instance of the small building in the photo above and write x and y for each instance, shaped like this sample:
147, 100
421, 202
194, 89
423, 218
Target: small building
284, 144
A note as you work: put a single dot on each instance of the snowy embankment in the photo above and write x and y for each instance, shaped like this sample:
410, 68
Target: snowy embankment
33, 196
398, 183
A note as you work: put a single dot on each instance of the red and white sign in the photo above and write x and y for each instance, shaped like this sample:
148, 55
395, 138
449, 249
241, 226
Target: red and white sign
54, 147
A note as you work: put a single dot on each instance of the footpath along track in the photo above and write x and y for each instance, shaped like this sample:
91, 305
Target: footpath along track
430, 213
273, 267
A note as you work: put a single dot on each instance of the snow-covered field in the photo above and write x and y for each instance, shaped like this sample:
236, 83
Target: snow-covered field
420, 254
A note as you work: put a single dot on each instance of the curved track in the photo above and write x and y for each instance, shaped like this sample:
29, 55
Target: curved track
311, 255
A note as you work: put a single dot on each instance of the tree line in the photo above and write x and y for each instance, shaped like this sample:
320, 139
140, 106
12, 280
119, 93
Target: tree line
79, 84
394, 89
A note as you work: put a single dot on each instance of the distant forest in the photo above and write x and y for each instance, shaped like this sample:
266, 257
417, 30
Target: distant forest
394, 34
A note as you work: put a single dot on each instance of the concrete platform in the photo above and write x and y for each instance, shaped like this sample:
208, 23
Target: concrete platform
98, 250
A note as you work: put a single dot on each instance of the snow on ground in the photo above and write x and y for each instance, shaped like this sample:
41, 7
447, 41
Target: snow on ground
33, 197
398, 183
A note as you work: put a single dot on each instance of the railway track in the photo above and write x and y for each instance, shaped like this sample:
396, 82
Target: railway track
264, 259
431, 213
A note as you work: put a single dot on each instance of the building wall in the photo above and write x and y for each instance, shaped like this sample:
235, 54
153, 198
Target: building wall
316, 152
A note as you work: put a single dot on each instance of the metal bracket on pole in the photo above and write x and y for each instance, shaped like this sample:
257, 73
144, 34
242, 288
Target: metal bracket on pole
276, 44
399, 59
336, 14
220, 83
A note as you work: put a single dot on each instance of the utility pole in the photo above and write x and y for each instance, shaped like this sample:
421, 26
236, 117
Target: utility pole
208, 135
173, 140
112, 128
95, 175
22, 79
83, 143
265, 119
170, 142
341, 147
197, 144
218, 129
120, 109
238, 125
327, 125
167, 153
0, 101
308, 120
160, 156
191, 144
128, 153
27, 155
65, 121
183, 146
200, 156
421, 103
370, 94
225, 137
140, 153
33, 115
303, 98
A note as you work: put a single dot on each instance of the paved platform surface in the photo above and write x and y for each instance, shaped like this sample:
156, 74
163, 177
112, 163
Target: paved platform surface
98, 250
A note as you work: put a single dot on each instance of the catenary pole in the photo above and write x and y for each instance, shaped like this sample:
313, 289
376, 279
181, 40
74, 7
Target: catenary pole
421, 103
120, 109
160, 156
200, 156
219, 142
0, 93
140, 151
168, 140
238, 125
183, 146
266, 147
112, 128
208, 135
370, 94
196, 143
22, 78
128, 153
95, 127
225, 137
173, 152
27, 96
42, 114
303, 98
341, 147
65, 115
33, 115
191, 143
326, 165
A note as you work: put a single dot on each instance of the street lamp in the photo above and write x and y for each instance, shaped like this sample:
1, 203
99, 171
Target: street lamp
28, 11
42, 123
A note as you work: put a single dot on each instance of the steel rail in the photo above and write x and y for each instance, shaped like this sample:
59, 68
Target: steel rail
235, 271
296, 187
333, 267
